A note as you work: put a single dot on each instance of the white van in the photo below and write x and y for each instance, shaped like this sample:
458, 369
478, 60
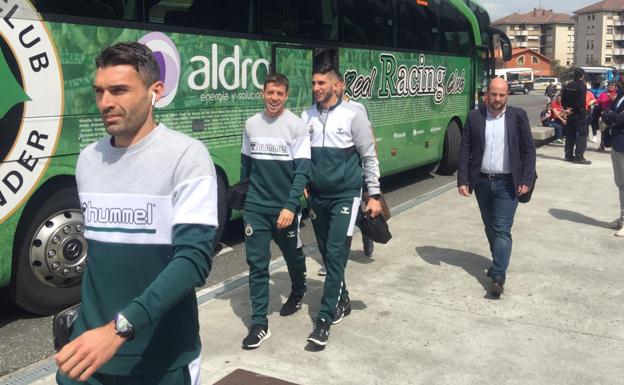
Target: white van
518, 79
542, 83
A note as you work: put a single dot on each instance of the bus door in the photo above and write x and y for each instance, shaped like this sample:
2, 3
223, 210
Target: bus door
297, 62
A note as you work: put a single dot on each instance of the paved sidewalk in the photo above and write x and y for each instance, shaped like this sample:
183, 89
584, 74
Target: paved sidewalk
420, 312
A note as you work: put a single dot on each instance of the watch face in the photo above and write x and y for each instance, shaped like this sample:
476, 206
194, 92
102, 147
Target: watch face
122, 326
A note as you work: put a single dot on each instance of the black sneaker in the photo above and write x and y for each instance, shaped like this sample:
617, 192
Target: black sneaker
343, 310
257, 335
569, 159
320, 333
369, 246
293, 303
581, 160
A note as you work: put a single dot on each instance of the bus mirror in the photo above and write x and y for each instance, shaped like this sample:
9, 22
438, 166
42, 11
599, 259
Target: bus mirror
503, 40
506, 48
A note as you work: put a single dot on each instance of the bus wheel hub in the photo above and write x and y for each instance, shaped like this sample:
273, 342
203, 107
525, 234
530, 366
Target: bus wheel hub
58, 251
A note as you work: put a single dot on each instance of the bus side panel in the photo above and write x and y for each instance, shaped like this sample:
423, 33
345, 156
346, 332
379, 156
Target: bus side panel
411, 98
58, 166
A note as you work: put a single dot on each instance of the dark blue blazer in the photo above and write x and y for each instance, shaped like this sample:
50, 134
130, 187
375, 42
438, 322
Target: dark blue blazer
519, 139
615, 120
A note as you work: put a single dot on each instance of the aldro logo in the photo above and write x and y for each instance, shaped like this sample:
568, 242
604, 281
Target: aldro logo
31, 105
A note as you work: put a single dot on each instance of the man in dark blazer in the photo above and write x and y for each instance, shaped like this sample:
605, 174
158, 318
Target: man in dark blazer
497, 162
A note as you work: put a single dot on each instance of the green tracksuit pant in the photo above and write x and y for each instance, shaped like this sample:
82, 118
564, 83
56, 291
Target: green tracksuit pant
259, 230
333, 221
186, 375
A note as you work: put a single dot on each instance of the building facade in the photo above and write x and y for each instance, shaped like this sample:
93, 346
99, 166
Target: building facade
600, 34
528, 58
549, 33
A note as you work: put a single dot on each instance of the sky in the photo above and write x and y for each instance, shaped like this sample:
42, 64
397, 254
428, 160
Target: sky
502, 8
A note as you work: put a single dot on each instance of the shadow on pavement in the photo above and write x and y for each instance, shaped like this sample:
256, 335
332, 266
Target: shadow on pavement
572, 216
542, 156
471, 263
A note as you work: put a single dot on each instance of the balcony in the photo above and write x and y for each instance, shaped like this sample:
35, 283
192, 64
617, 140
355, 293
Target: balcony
618, 37
618, 23
522, 33
521, 44
618, 51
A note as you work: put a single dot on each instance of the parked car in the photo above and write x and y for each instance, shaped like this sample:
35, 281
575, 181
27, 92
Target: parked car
517, 86
541, 83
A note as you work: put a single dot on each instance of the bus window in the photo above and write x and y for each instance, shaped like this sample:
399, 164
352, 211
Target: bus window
368, 22
456, 29
106, 9
316, 20
208, 14
418, 25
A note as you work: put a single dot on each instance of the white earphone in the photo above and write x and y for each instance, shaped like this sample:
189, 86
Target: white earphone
153, 98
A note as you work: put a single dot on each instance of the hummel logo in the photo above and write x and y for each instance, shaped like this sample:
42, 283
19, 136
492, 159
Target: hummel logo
344, 210
290, 234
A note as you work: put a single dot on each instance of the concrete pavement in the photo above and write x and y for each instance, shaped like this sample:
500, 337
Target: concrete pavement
420, 312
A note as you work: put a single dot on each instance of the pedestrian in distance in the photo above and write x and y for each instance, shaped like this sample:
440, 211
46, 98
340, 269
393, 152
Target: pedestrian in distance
603, 103
275, 159
614, 118
138, 322
343, 158
573, 99
550, 92
497, 162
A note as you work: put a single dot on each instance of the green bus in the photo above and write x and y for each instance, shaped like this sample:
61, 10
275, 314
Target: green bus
418, 66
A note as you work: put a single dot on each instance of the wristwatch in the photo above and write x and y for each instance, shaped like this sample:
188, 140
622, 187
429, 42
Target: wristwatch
375, 196
123, 327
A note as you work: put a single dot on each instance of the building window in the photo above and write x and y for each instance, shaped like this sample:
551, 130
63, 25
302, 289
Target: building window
609, 43
594, 16
588, 17
520, 60
567, 63
587, 44
608, 59
592, 44
535, 60
609, 30
570, 28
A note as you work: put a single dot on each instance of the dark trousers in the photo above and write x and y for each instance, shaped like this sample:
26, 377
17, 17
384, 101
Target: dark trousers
259, 230
577, 131
497, 203
333, 220
557, 126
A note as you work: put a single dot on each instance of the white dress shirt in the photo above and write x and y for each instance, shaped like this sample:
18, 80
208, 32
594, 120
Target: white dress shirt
496, 153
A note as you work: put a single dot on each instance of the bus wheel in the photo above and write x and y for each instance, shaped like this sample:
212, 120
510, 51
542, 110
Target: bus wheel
51, 254
222, 209
450, 156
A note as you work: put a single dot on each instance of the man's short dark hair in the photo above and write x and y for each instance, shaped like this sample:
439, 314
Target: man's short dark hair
277, 78
134, 54
327, 69
579, 73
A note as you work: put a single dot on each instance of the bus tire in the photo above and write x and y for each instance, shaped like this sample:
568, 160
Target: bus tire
450, 154
223, 211
49, 254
